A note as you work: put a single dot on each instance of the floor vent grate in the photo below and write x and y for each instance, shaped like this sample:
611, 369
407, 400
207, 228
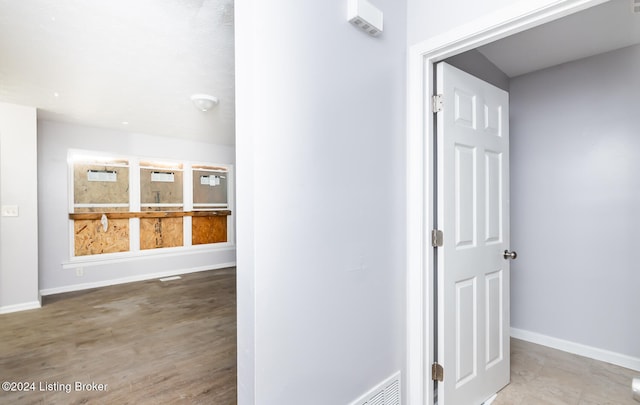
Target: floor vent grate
385, 393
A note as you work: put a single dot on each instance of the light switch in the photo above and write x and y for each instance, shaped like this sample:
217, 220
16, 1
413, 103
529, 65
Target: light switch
10, 211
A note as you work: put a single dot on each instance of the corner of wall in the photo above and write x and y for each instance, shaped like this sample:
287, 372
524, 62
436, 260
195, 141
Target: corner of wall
18, 233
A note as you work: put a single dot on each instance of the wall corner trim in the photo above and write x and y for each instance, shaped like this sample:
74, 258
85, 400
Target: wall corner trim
591, 352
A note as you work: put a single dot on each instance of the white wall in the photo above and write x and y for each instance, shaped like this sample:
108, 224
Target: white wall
18, 186
429, 18
320, 200
575, 197
54, 140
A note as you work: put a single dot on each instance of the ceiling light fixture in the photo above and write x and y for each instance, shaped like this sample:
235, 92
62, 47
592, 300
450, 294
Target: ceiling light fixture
204, 102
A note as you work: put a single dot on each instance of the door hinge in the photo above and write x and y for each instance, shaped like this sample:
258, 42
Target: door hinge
437, 238
436, 103
437, 372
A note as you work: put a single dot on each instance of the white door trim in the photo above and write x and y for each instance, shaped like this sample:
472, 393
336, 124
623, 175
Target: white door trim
420, 186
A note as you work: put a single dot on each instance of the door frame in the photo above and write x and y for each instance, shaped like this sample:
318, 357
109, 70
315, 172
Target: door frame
420, 174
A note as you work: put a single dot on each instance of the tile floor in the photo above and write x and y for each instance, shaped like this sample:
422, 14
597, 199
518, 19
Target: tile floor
544, 376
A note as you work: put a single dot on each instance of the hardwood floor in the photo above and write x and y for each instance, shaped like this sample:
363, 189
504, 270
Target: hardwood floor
149, 342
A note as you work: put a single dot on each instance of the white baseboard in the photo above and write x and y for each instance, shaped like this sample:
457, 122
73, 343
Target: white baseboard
20, 307
607, 356
140, 277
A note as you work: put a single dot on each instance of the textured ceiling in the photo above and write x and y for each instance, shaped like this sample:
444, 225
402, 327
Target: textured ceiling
599, 29
125, 64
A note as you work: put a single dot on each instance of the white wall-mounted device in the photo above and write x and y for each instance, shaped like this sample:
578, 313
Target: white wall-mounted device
365, 16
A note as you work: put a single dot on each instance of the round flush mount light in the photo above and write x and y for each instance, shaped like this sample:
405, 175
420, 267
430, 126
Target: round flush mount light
204, 102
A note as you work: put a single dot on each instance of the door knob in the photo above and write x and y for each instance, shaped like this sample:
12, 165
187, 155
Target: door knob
509, 255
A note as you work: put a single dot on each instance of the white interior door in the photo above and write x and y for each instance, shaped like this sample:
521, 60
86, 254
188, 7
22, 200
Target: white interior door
473, 213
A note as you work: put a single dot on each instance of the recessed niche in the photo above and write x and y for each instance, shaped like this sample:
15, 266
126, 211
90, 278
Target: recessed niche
101, 186
210, 188
161, 187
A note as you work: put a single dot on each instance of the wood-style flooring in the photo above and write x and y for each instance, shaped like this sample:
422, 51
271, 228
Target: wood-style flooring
544, 376
174, 342
148, 342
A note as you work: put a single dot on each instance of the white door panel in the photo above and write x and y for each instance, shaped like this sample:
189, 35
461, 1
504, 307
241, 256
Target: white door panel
473, 213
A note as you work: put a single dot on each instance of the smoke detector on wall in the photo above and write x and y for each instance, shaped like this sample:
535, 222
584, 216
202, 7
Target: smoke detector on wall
365, 16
